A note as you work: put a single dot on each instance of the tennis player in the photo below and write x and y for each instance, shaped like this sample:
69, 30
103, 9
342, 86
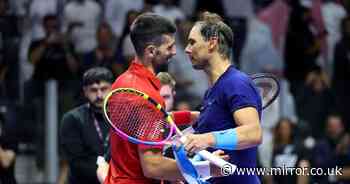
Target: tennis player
231, 110
154, 43
167, 92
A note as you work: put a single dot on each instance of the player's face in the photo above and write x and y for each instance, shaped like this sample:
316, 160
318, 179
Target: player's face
197, 48
168, 95
96, 92
334, 126
166, 50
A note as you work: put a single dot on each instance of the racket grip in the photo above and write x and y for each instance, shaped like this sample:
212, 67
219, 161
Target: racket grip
223, 164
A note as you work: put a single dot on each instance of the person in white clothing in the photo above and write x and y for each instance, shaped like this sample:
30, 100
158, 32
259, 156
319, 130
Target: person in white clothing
82, 17
117, 18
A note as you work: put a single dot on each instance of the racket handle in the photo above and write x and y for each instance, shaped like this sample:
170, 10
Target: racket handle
223, 164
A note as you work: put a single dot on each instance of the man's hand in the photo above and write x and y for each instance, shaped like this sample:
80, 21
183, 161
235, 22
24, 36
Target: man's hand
216, 171
6, 158
102, 170
197, 142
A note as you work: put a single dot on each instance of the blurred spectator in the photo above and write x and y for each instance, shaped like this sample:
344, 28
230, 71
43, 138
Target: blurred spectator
288, 153
167, 91
333, 13
104, 54
302, 46
283, 106
332, 151
276, 16
84, 130
183, 106
259, 54
117, 19
211, 6
8, 149
52, 56
170, 10
126, 48
238, 8
237, 13
315, 101
340, 82
37, 11
9, 37
83, 18
188, 7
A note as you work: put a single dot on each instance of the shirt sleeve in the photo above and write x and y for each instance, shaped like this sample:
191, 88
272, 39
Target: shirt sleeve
240, 93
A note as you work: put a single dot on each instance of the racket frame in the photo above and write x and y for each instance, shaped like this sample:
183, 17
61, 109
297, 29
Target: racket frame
265, 76
204, 153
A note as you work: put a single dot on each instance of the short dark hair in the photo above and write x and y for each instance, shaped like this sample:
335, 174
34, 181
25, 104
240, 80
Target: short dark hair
149, 28
97, 75
49, 17
212, 25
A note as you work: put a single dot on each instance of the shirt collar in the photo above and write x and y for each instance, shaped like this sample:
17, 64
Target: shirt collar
139, 69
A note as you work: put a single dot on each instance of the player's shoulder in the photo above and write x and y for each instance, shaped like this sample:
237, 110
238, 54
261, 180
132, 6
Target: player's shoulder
126, 79
235, 77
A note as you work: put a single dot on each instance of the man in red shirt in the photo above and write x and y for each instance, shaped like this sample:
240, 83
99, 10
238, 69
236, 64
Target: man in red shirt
154, 42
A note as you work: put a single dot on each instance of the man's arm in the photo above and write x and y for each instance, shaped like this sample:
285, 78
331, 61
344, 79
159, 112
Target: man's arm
36, 52
154, 165
248, 133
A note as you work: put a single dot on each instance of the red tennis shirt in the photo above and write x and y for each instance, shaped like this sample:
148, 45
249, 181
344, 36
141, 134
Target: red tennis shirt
125, 166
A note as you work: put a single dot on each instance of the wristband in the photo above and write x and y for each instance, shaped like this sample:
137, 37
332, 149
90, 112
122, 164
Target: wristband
225, 139
182, 117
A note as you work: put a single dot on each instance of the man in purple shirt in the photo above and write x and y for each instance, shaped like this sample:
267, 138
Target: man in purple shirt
230, 115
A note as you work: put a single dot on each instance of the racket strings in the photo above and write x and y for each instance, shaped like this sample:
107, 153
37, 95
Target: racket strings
268, 89
136, 117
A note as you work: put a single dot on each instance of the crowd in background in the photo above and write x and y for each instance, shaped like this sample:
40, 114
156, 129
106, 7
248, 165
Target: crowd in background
305, 43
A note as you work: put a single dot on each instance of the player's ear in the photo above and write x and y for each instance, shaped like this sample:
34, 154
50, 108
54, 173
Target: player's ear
150, 51
213, 42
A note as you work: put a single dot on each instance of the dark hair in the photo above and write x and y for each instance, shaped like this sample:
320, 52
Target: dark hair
334, 115
49, 17
104, 25
96, 75
149, 28
277, 136
212, 25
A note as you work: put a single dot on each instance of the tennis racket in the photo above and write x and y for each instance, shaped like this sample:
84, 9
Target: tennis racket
268, 87
138, 118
